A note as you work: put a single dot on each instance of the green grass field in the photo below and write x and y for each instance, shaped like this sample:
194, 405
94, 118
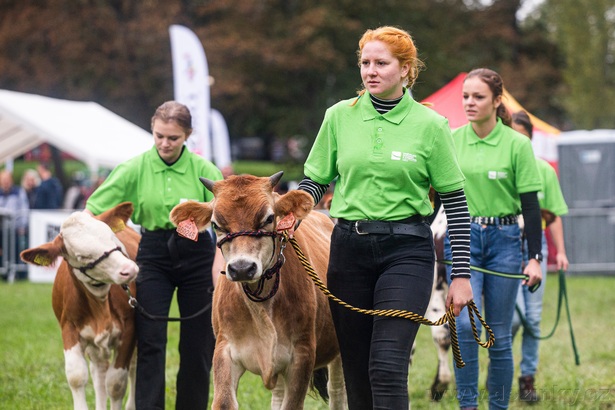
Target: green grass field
32, 362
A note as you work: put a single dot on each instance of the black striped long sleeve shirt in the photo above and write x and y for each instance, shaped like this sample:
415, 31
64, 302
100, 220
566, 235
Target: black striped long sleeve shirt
457, 218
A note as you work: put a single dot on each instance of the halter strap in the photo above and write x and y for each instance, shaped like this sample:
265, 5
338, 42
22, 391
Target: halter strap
273, 272
92, 265
233, 235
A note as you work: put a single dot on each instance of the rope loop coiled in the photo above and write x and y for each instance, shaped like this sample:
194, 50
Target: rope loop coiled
449, 316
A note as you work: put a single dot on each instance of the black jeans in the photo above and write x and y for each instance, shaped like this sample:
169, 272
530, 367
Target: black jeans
378, 272
168, 262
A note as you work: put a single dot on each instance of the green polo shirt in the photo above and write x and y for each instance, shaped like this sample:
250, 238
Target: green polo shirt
550, 197
498, 168
384, 163
154, 187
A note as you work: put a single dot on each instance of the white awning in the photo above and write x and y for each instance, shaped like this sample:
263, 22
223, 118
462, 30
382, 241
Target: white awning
85, 130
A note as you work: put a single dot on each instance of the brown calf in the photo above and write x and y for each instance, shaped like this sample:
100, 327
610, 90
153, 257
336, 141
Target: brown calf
268, 316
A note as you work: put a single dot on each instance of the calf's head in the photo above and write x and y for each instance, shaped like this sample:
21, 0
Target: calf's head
244, 214
90, 248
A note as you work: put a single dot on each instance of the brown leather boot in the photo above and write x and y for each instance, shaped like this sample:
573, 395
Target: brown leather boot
527, 392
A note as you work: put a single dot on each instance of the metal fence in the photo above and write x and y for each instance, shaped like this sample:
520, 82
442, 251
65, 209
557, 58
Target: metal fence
12, 242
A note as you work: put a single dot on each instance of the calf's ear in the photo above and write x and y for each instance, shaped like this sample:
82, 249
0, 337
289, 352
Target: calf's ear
118, 216
299, 202
44, 255
199, 212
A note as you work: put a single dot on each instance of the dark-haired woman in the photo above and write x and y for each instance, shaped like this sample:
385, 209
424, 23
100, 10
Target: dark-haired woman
502, 182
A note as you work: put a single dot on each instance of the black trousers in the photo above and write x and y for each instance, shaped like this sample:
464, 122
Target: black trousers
167, 263
378, 271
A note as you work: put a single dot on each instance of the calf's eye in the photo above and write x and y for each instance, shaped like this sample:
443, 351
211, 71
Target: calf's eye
268, 221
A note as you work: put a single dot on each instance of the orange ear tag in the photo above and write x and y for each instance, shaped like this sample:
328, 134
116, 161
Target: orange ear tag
287, 222
188, 229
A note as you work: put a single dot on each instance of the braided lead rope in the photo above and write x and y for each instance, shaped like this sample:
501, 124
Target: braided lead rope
562, 297
449, 316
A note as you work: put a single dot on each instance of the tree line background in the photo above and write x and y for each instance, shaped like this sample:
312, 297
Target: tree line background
278, 64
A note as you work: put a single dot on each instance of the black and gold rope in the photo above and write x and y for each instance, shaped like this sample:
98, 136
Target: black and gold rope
449, 316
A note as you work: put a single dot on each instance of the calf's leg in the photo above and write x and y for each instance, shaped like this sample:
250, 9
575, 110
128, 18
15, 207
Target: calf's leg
98, 369
226, 377
298, 376
76, 369
117, 382
277, 394
336, 386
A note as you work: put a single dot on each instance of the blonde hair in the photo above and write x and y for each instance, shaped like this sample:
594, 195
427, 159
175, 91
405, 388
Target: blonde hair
30, 173
400, 44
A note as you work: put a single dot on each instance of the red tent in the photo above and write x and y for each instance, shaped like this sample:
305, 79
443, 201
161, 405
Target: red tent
447, 102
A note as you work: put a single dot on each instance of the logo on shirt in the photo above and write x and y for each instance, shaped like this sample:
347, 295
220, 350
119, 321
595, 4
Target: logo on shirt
402, 156
497, 174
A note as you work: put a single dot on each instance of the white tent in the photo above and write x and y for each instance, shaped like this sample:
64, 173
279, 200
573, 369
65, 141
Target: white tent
86, 130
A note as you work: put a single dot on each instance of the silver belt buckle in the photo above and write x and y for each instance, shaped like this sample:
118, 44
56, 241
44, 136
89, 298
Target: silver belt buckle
356, 227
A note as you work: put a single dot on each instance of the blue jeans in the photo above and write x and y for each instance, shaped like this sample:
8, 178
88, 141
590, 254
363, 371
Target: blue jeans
497, 248
530, 305
378, 272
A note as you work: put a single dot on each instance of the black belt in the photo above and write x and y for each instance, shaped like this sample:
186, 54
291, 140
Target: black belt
496, 220
165, 233
415, 226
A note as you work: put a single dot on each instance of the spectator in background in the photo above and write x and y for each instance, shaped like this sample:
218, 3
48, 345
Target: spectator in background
50, 194
77, 194
227, 171
552, 205
14, 200
30, 182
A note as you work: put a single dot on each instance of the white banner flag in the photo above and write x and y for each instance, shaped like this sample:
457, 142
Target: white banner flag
191, 85
220, 139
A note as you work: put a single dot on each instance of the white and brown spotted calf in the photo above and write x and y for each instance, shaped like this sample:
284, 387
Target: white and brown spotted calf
268, 316
92, 309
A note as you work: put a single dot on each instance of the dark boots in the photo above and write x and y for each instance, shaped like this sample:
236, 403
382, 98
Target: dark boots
527, 392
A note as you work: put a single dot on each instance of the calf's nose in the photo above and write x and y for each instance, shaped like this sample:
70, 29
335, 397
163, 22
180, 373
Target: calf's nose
240, 271
129, 270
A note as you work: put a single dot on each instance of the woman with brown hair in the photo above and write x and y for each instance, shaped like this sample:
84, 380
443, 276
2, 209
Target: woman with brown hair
155, 182
501, 183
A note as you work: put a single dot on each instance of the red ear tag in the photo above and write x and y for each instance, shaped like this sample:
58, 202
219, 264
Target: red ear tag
188, 229
287, 222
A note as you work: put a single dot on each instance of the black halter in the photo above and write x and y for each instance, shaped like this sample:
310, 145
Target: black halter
92, 265
233, 235
274, 271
